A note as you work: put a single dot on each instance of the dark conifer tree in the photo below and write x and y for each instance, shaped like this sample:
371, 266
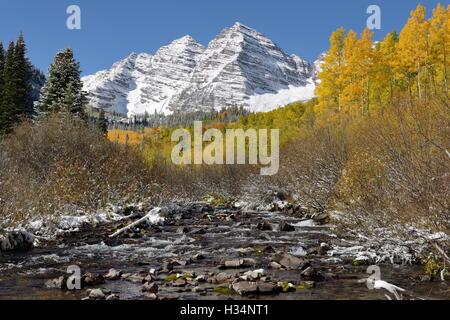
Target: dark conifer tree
22, 75
102, 123
2, 63
64, 89
8, 115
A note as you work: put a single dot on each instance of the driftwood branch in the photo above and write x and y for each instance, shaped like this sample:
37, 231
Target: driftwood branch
136, 223
442, 252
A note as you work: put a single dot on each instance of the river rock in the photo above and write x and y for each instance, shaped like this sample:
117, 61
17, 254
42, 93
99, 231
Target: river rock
136, 278
180, 262
251, 287
198, 257
323, 249
221, 277
151, 296
179, 283
425, 278
300, 211
150, 287
96, 294
306, 285
201, 279
167, 266
199, 290
245, 287
289, 261
285, 227
238, 263
254, 275
264, 226
58, 283
200, 231
113, 297
268, 249
275, 265
149, 278
183, 230
113, 274
268, 288
321, 218
311, 274
89, 279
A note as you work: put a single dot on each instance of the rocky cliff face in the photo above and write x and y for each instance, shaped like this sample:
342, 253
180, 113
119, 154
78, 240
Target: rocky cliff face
240, 67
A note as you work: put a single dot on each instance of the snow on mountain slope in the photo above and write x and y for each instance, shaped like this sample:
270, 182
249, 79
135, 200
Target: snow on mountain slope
169, 71
109, 89
270, 101
240, 67
143, 83
238, 64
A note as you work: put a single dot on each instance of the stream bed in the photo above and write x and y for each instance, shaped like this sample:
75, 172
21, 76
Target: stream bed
206, 253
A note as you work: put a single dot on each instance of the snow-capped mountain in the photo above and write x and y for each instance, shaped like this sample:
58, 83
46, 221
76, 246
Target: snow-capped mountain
240, 67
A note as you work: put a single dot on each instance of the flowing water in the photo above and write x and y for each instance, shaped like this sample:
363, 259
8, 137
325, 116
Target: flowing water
217, 235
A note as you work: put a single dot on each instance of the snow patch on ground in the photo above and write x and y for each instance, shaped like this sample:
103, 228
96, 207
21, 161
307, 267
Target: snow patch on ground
155, 217
51, 226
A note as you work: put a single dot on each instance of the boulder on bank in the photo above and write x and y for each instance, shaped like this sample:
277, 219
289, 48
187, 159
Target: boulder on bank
16, 241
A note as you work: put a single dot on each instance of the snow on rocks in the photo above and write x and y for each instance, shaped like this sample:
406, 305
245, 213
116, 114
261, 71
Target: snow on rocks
16, 241
73, 221
394, 253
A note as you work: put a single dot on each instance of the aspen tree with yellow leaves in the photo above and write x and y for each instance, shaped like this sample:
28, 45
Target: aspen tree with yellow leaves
330, 87
439, 28
412, 55
357, 72
348, 99
384, 79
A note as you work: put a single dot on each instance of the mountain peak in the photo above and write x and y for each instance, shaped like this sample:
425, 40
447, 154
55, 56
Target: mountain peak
241, 28
185, 40
238, 25
186, 43
240, 67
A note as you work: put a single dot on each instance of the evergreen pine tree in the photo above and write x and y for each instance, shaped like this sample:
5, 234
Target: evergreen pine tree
8, 115
22, 75
2, 63
64, 89
102, 123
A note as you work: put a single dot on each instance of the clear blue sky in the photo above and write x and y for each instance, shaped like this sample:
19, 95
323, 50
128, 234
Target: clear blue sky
111, 29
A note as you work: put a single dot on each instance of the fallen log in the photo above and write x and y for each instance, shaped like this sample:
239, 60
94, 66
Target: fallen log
153, 217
